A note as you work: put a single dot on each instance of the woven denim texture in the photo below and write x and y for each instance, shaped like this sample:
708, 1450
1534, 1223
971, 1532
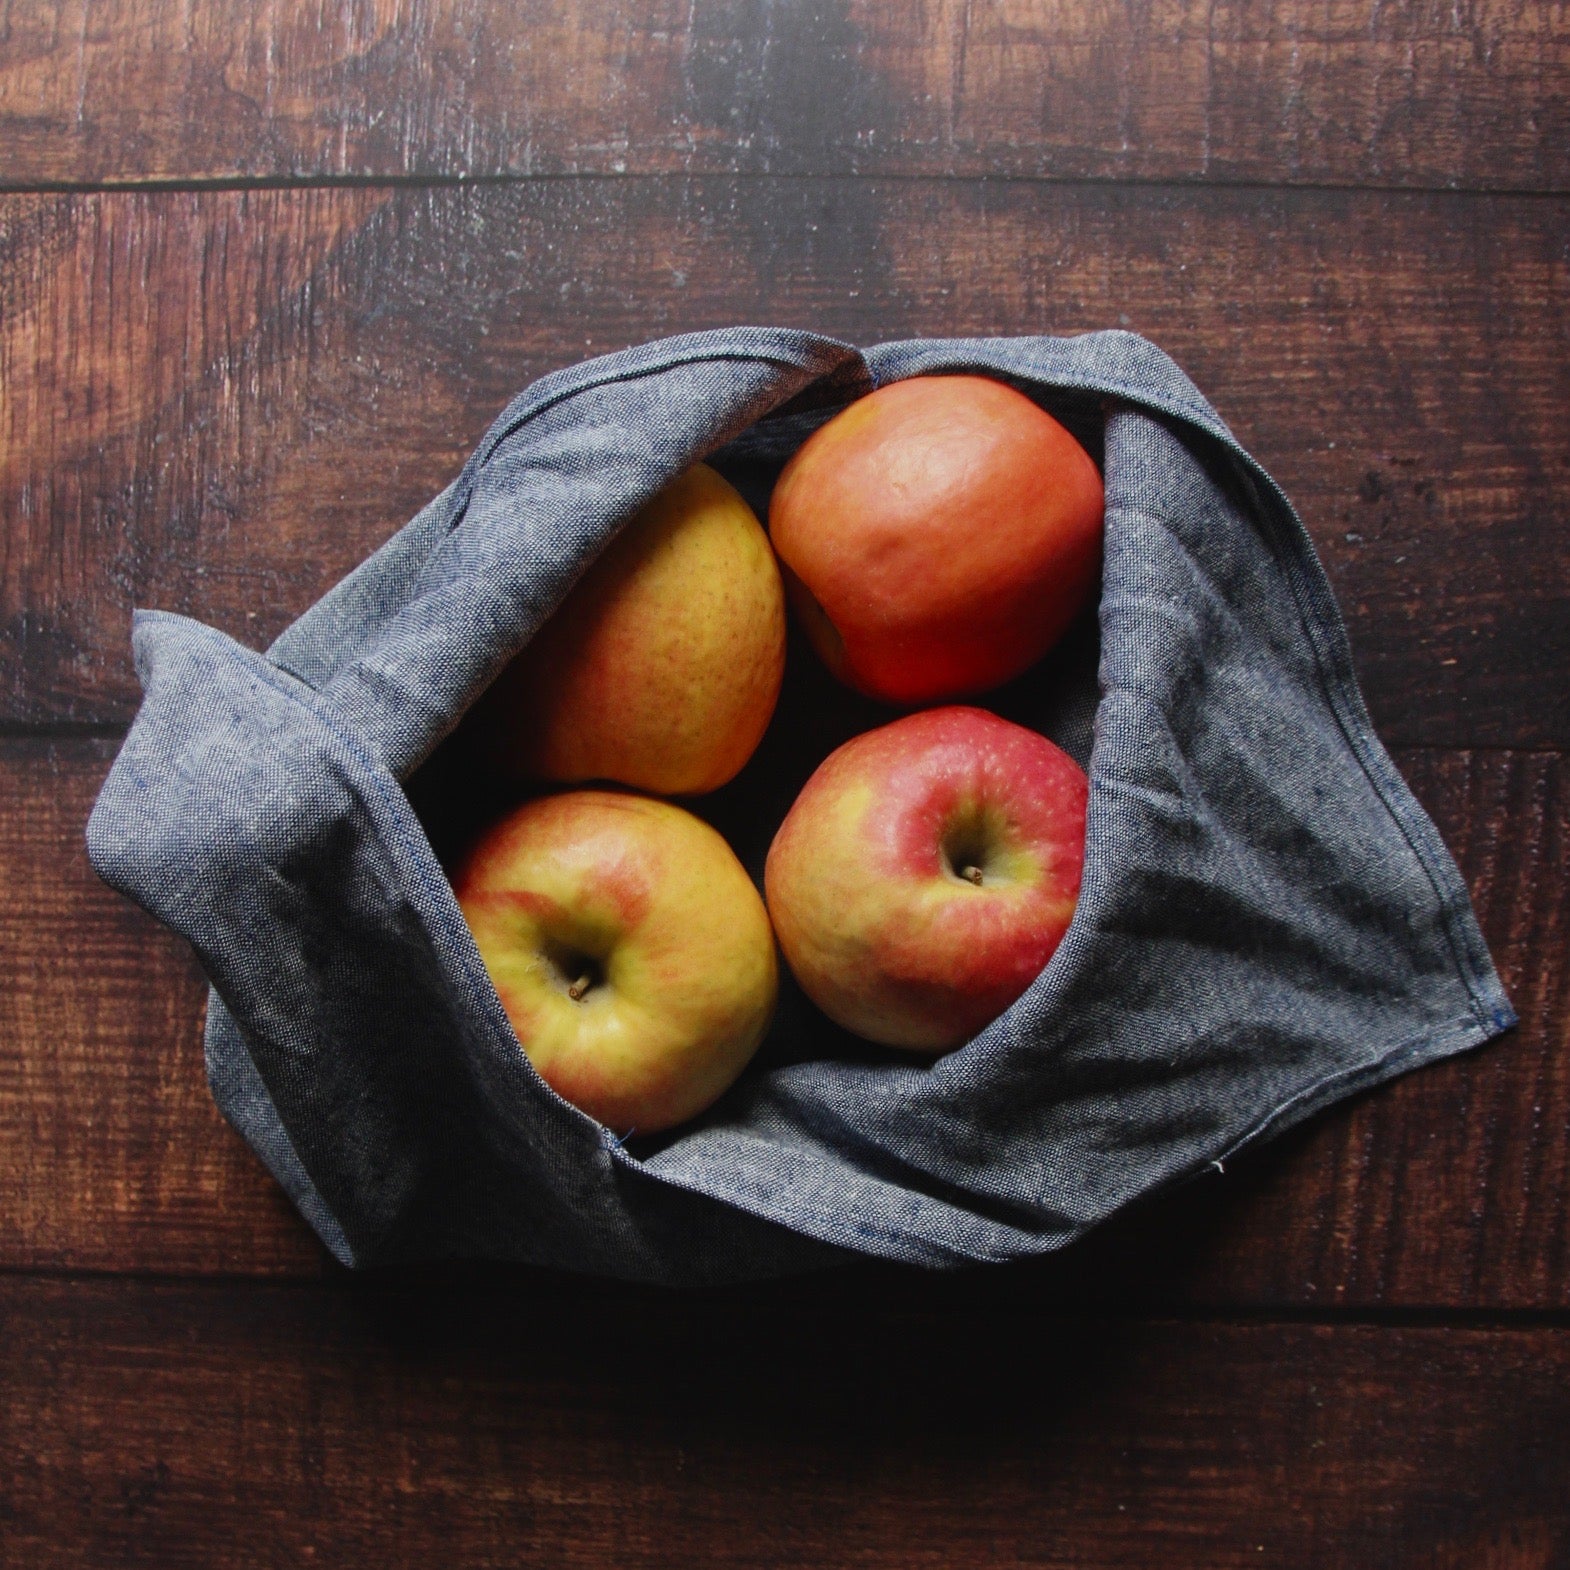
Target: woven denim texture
1268, 920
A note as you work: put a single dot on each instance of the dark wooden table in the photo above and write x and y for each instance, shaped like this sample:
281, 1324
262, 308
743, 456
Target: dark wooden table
267, 272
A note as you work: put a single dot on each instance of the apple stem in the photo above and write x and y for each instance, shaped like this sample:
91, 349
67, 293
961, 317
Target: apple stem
579, 987
973, 873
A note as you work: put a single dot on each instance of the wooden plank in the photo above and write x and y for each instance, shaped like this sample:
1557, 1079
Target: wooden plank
112, 1152
148, 343
1343, 93
1449, 1188
218, 402
595, 1426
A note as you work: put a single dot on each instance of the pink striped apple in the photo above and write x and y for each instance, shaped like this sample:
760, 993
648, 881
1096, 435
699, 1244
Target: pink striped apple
926, 874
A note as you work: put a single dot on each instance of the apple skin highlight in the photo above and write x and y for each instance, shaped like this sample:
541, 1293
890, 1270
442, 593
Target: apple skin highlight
648, 906
937, 537
662, 667
926, 874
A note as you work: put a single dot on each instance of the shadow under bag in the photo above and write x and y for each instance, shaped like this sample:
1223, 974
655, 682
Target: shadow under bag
1268, 920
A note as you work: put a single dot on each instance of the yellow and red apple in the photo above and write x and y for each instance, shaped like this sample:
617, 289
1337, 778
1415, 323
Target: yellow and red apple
939, 536
662, 667
926, 874
629, 949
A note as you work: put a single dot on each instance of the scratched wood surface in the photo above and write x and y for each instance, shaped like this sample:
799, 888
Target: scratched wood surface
1345, 92
218, 402
266, 273
596, 1428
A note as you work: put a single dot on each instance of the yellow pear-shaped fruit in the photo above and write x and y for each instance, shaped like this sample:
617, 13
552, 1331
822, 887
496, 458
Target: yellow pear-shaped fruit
662, 667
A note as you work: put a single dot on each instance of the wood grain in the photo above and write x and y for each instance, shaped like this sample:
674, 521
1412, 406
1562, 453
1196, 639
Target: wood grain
217, 403
167, 1424
1450, 1187
112, 1153
1413, 94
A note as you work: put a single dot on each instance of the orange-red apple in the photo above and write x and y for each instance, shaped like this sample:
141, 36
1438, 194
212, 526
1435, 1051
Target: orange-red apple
939, 536
629, 949
926, 874
662, 666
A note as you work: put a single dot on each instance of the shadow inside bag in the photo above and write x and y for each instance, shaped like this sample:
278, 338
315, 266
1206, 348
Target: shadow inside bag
457, 793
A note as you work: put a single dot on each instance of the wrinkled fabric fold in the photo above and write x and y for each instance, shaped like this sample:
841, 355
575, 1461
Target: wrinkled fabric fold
1268, 922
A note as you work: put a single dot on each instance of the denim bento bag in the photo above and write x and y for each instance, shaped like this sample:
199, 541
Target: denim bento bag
1268, 920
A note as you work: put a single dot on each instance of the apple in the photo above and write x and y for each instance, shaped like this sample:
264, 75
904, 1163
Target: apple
662, 667
926, 873
938, 536
629, 949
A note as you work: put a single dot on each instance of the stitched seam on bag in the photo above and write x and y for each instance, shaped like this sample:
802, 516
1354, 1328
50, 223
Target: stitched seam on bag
1342, 694
1195, 410
1454, 1036
1339, 684
489, 446
392, 798
1451, 905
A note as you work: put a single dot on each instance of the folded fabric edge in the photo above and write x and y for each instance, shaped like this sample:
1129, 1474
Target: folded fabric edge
862, 1237
242, 1097
1493, 1013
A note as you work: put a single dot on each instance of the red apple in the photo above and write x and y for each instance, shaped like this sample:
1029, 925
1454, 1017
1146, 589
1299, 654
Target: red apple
629, 949
939, 536
926, 874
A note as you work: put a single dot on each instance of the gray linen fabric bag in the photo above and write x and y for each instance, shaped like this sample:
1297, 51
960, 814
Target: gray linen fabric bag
1268, 920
